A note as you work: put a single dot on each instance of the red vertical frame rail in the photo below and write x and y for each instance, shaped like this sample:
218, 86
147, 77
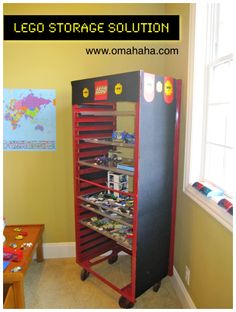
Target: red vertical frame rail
75, 158
175, 175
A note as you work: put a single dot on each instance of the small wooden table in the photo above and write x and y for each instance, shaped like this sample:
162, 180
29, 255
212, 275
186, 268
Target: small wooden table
17, 279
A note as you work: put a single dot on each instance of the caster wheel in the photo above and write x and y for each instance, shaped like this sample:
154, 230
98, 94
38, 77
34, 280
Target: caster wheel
84, 275
157, 286
112, 259
125, 303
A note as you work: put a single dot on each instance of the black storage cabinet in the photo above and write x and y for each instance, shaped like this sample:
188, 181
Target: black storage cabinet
156, 115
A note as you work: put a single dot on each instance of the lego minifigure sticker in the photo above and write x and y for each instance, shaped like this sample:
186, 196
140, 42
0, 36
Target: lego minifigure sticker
149, 87
85, 92
168, 90
118, 88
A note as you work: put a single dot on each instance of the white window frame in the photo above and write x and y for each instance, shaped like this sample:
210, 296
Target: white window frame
207, 204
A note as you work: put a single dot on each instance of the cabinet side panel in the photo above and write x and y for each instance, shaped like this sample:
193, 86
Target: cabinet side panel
156, 152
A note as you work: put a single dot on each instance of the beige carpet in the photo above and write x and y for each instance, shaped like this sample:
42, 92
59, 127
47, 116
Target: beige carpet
56, 284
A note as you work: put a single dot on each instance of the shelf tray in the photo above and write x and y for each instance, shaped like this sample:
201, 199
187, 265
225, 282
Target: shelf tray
107, 141
91, 163
104, 214
101, 206
109, 209
107, 234
106, 113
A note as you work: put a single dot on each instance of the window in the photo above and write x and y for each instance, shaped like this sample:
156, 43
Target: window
211, 121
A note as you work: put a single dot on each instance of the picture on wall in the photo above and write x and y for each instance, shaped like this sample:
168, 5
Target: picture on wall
29, 119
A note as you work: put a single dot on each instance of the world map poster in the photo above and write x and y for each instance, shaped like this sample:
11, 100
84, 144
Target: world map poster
29, 119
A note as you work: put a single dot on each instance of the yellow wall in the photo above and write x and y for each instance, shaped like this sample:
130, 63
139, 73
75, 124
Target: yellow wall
201, 243
38, 186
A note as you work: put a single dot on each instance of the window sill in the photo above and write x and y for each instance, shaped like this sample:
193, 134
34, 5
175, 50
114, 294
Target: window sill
211, 207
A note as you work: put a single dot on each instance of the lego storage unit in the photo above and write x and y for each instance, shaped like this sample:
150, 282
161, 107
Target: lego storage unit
134, 115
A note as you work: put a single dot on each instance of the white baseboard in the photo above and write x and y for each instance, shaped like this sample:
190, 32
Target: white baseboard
59, 250
67, 250
182, 292
62, 250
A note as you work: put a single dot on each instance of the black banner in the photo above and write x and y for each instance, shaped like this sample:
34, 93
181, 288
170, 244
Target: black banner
91, 27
